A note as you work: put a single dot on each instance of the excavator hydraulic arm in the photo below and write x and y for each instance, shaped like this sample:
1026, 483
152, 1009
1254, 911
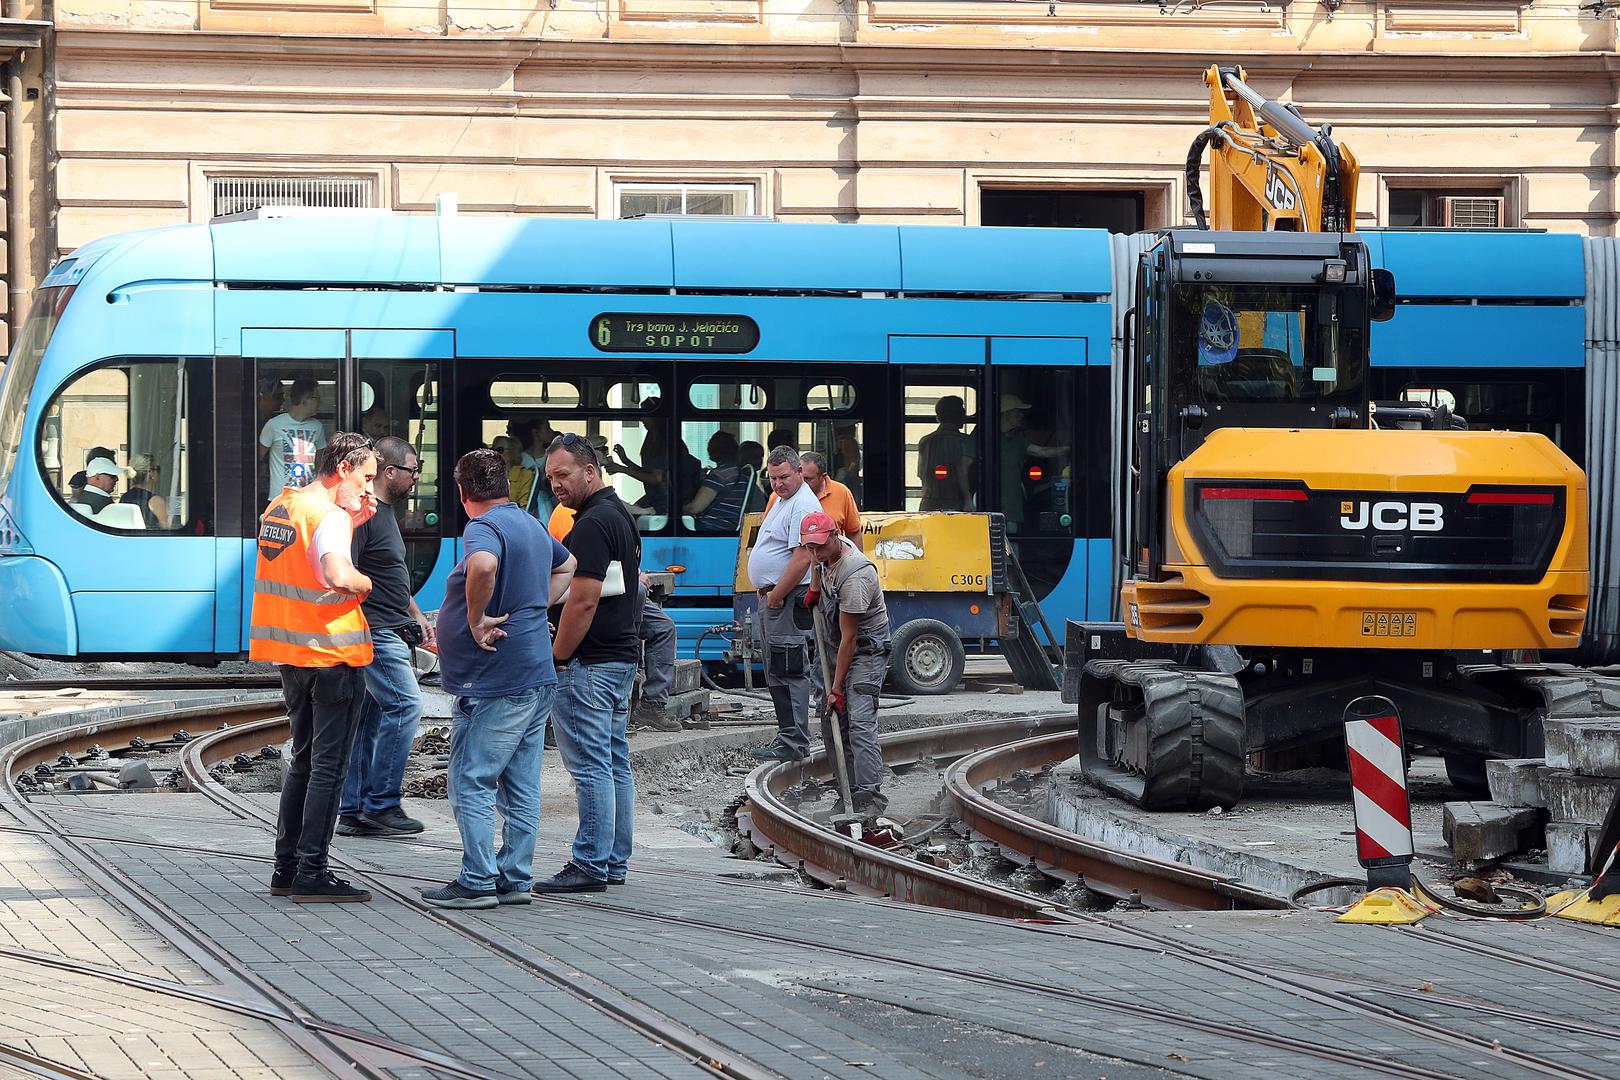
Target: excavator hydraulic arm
1268, 168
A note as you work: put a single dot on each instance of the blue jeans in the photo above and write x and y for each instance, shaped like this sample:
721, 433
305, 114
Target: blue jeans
593, 705
388, 720
495, 748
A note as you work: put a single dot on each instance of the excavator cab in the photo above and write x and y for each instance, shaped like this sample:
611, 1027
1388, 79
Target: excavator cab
1251, 330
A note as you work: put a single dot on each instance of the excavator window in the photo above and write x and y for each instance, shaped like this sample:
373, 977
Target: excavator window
1259, 343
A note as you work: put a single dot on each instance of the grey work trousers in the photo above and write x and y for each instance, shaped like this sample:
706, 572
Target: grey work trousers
784, 635
658, 653
858, 727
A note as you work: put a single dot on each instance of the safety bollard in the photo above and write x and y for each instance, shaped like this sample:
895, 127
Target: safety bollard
1383, 812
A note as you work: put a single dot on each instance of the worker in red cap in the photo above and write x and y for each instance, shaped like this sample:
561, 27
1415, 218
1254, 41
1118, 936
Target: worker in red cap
847, 583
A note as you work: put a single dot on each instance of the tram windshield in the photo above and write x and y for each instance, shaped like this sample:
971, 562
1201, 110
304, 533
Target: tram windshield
1258, 343
22, 368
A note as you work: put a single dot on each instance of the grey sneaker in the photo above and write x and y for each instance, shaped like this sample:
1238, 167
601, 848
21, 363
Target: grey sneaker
513, 896
457, 895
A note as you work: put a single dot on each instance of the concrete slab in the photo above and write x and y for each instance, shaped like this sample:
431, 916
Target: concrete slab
1482, 831
1590, 747
1576, 798
1569, 846
1516, 781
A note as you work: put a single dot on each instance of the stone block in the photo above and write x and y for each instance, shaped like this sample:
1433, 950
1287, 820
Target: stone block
1477, 831
688, 677
1590, 747
1569, 846
1572, 797
1516, 781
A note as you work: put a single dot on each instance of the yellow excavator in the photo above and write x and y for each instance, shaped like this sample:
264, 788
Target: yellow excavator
1291, 544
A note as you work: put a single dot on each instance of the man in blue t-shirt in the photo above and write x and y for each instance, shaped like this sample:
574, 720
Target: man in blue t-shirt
495, 658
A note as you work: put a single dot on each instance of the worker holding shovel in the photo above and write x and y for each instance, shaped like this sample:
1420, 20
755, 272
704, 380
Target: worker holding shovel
847, 599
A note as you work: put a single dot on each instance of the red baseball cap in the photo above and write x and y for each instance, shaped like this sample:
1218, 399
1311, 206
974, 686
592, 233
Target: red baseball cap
817, 528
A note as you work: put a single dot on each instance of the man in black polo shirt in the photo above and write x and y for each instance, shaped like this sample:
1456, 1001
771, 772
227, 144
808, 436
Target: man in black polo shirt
596, 652
393, 706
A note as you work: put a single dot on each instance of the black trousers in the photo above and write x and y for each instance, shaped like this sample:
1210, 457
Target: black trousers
324, 706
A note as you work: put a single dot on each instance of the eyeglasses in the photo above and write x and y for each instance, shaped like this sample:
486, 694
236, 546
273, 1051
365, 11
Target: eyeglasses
415, 470
568, 438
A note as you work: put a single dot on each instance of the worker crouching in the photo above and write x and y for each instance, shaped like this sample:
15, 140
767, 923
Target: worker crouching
845, 588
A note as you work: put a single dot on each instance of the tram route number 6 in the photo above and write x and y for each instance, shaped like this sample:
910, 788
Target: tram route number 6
620, 332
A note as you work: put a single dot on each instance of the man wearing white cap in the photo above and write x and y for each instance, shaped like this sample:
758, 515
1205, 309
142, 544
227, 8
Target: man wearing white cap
100, 478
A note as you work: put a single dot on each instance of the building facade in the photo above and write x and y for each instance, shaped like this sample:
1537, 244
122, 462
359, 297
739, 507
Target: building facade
1463, 112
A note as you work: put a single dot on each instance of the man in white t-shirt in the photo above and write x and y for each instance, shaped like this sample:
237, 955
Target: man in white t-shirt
292, 440
780, 570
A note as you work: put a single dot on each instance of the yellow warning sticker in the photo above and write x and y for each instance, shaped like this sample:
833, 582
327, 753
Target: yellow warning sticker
1389, 624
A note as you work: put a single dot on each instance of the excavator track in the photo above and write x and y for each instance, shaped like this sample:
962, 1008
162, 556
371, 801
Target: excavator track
1163, 736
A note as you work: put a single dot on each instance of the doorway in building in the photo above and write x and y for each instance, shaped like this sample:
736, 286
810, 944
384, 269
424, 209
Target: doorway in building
1116, 211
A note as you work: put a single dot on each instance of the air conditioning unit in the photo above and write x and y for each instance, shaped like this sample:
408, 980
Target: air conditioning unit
1471, 211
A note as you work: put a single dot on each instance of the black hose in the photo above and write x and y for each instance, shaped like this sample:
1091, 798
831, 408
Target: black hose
1195, 164
1537, 910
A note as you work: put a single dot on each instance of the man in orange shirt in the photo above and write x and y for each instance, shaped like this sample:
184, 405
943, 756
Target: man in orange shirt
837, 501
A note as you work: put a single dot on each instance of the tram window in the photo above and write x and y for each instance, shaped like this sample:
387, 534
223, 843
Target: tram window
1035, 445
830, 397
623, 418
728, 396
732, 481
115, 447
942, 441
514, 393
296, 414
400, 398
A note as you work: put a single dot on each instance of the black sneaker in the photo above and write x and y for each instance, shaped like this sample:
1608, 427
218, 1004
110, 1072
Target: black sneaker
281, 881
512, 896
571, 879
326, 888
349, 825
775, 752
457, 895
616, 880
391, 822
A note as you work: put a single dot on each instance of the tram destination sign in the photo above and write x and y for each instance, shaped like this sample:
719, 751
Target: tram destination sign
674, 333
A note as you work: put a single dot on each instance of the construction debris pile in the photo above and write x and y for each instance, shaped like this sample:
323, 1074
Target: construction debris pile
1556, 803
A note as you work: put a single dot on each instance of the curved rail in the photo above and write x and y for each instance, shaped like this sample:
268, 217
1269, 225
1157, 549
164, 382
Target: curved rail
837, 860
1104, 869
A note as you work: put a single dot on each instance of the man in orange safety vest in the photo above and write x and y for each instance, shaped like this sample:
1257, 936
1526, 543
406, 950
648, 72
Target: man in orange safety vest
307, 621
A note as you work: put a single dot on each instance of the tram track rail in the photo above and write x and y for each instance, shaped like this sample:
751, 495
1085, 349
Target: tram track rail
969, 766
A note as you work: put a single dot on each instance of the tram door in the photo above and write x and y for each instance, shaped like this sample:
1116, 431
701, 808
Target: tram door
381, 383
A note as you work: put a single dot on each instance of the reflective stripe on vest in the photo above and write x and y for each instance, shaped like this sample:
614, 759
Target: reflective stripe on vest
296, 619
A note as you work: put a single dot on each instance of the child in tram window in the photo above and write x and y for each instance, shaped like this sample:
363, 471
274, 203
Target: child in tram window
291, 440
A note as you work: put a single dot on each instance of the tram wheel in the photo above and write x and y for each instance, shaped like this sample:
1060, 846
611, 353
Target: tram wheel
928, 658
1467, 773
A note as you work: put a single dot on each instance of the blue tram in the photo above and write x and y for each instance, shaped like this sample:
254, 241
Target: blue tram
934, 367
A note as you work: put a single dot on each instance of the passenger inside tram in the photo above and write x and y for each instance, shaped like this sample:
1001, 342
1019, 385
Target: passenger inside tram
143, 492
945, 459
655, 470
101, 478
723, 497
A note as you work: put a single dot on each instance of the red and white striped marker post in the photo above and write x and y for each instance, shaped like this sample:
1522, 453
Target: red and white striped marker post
1372, 738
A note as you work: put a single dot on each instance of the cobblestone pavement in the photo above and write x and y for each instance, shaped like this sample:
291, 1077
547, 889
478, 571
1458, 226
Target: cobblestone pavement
797, 982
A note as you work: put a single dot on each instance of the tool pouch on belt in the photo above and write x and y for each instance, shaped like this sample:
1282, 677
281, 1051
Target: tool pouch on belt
873, 646
787, 659
804, 616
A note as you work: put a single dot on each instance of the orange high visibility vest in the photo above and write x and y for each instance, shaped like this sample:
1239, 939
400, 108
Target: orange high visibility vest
297, 620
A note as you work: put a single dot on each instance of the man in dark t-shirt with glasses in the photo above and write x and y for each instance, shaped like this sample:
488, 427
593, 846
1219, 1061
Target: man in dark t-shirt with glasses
596, 652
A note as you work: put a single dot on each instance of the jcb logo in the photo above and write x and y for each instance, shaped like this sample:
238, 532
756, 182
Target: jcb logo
1392, 516
1278, 193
